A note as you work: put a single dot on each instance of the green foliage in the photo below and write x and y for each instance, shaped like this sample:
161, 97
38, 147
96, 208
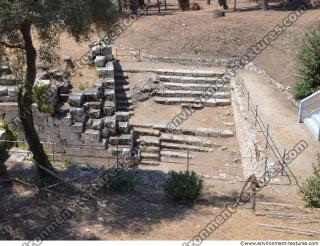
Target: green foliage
184, 5
10, 136
82, 86
39, 92
121, 180
183, 185
317, 3
310, 189
302, 90
309, 63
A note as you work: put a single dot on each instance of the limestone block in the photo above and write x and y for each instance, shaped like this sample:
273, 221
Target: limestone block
77, 127
105, 132
91, 136
227, 134
63, 120
100, 61
75, 151
109, 95
95, 113
107, 71
50, 121
97, 124
108, 83
124, 127
66, 133
93, 105
3, 90
109, 122
40, 120
78, 114
13, 92
108, 108
76, 100
122, 116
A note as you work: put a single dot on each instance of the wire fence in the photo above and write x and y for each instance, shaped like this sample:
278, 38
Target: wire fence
265, 130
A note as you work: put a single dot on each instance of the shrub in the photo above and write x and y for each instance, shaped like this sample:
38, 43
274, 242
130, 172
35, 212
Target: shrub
121, 180
183, 185
223, 3
317, 4
309, 63
310, 189
184, 5
82, 86
302, 90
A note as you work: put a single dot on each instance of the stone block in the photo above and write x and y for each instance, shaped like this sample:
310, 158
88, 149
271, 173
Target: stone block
13, 92
76, 100
108, 83
100, 61
227, 134
63, 120
97, 124
77, 127
78, 114
93, 105
95, 113
122, 116
109, 94
3, 91
108, 108
74, 151
40, 120
107, 71
91, 136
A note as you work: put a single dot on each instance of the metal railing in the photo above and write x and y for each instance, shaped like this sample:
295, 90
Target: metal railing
265, 129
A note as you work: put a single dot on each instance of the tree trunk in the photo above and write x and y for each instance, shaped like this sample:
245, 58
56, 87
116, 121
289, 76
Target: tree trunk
265, 5
25, 108
120, 6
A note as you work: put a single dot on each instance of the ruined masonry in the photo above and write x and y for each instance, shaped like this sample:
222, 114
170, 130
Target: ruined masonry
84, 125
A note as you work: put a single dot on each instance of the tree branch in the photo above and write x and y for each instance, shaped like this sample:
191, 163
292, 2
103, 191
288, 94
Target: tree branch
12, 46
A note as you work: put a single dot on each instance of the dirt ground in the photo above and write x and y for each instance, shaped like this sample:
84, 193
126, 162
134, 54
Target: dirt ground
200, 34
145, 214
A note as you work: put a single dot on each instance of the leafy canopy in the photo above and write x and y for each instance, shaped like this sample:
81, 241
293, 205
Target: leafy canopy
51, 17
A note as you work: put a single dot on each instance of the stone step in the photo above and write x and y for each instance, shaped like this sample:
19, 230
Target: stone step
149, 163
150, 156
119, 75
121, 82
126, 108
124, 127
183, 139
174, 146
175, 154
195, 87
150, 149
122, 116
192, 80
149, 140
185, 93
146, 132
124, 102
212, 102
123, 96
123, 139
193, 73
122, 88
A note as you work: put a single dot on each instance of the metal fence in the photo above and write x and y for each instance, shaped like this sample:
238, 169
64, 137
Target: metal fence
265, 129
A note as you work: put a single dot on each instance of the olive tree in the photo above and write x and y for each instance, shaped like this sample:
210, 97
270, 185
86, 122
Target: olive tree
24, 21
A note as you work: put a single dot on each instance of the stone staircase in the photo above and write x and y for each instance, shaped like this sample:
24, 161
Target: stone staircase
157, 144
195, 89
123, 97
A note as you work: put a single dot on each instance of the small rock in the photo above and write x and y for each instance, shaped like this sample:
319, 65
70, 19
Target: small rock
224, 148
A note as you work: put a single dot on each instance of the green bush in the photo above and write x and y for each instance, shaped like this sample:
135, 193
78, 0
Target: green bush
317, 4
310, 189
121, 180
184, 5
302, 90
309, 63
183, 185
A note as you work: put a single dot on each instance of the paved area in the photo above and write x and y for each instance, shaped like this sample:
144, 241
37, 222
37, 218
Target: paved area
283, 119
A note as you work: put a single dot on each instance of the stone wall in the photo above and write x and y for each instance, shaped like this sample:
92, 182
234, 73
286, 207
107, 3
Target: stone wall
84, 127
